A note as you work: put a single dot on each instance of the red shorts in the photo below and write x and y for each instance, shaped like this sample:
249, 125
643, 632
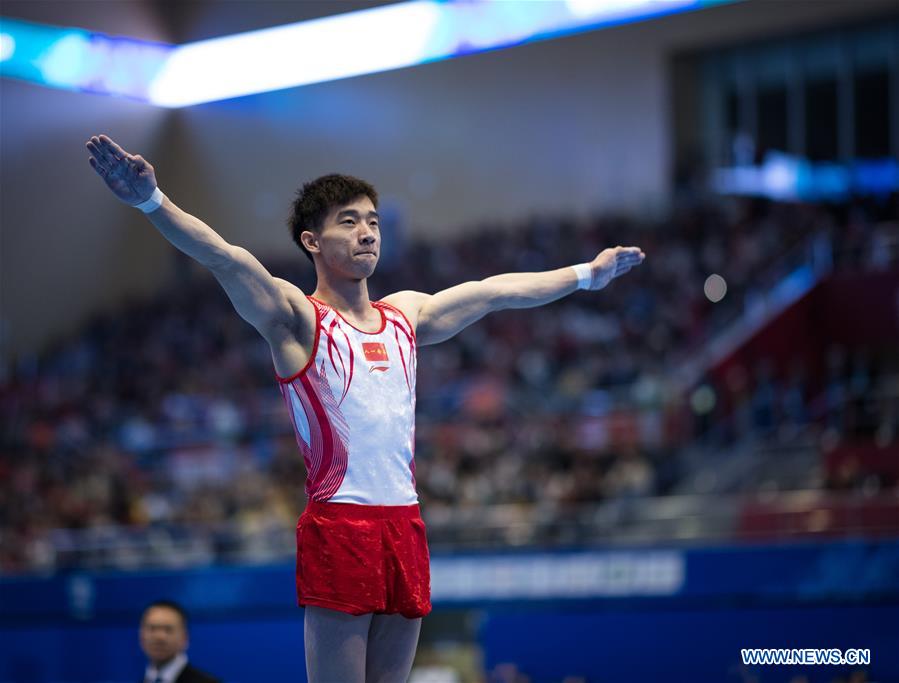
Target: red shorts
363, 559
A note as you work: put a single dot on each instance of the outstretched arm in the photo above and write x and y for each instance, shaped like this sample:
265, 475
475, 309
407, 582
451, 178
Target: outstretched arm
437, 317
256, 295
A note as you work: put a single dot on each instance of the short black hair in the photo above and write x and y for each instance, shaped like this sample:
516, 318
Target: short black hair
168, 604
317, 198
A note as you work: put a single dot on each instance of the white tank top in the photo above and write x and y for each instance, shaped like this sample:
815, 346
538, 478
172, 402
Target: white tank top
353, 410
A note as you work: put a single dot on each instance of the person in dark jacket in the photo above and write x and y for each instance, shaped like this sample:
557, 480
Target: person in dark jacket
164, 639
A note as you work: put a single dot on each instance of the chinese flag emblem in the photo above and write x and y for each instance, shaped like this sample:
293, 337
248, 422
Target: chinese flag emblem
374, 351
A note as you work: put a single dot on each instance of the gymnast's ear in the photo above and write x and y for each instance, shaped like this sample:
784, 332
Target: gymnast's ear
309, 239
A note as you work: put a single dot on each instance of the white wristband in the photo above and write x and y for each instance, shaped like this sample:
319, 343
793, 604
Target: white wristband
153, 203
584, 275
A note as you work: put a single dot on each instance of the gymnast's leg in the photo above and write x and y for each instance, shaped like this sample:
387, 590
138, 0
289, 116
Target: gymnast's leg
335, 645
392, 641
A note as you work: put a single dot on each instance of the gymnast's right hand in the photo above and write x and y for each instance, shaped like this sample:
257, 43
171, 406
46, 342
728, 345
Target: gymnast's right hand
130, 177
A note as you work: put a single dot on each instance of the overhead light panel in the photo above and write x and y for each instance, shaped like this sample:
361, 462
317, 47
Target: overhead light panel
351, 44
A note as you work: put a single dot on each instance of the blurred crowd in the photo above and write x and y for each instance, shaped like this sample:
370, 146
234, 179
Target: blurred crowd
165, 413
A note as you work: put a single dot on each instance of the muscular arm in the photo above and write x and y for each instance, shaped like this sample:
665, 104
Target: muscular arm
255, 293
437, 317
258, 297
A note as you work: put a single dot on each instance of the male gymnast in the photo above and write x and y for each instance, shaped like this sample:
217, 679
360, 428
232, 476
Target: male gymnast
346, 368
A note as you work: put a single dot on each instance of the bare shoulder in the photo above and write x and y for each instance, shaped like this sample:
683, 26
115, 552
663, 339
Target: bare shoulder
409, 302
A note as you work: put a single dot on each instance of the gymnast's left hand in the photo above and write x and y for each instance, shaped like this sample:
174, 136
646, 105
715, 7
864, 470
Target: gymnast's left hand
614, 262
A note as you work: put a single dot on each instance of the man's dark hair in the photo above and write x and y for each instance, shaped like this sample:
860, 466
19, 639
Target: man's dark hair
168, 604
317, 198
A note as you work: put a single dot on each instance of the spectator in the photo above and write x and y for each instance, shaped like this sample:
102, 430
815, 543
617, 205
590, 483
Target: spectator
164, 640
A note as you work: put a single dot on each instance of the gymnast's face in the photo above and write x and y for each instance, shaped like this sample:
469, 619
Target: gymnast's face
163, 634
350, 239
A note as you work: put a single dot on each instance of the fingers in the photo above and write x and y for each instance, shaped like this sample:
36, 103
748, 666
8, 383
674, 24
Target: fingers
101, 153
108, 153
113, 148
97, 167
627, 258
628, 252
94, 150
109, 160
97, 159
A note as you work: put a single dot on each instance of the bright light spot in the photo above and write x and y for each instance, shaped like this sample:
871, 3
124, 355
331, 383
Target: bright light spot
703, 400
780, 173
297, 54
7, 46
715, 288
64, 63
592, 9
586, 8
